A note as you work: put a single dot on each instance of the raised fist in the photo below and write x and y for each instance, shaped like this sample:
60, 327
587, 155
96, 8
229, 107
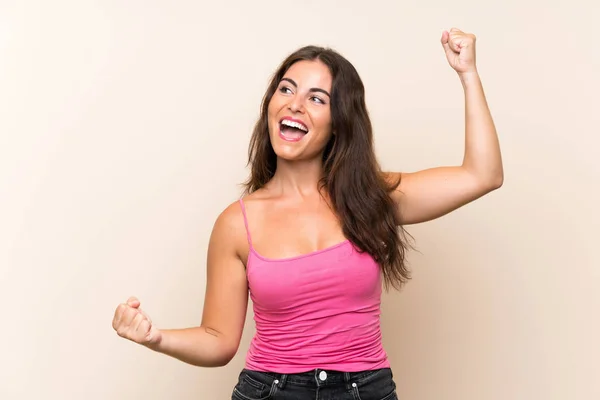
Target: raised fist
460, 50
130, 322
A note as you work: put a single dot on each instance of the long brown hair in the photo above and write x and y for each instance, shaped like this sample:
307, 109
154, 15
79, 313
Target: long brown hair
358, 190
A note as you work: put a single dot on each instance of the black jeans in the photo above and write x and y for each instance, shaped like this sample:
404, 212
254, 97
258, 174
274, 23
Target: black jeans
316, 385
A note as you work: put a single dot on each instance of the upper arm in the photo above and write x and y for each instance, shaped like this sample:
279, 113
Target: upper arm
226, 298
431, 193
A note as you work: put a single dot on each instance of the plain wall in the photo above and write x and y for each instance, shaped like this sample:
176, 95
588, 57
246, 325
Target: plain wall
124, 128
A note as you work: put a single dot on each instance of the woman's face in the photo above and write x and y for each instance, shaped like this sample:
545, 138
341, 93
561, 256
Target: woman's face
299, 112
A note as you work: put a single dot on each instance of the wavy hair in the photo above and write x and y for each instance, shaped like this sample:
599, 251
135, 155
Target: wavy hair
358, 190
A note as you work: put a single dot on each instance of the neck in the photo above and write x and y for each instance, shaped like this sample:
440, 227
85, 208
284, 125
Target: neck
297, 178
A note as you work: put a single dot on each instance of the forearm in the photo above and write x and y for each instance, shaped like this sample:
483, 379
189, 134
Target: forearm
199, 346
482, 149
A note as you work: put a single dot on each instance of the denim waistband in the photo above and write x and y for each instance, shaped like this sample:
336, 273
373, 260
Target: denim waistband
321, 377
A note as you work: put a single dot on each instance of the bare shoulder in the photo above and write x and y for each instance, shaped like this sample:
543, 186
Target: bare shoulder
258, 202
231, 218
229, 230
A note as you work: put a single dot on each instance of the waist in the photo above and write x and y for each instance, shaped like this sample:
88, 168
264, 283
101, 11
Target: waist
318, 377
351, 350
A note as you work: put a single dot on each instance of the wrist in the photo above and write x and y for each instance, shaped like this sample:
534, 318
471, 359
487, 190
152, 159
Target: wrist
469, 78
157, 344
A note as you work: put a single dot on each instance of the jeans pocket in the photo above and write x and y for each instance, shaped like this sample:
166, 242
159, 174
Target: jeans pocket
254, 386
379, 385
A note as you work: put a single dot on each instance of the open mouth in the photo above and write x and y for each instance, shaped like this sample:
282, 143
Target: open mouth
292, 130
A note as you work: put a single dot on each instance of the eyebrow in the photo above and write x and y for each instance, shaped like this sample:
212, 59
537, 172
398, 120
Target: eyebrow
310, 90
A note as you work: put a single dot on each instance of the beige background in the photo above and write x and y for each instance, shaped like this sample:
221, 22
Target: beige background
124, 128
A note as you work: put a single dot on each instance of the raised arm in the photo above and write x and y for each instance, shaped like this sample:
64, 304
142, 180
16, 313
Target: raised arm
216, 340
431, 193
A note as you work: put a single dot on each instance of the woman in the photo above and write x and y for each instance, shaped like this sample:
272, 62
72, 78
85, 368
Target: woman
318, 233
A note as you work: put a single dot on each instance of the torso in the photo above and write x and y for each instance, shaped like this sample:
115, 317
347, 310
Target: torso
316, 298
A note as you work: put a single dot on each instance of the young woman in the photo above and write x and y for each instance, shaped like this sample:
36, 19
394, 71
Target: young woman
318, 233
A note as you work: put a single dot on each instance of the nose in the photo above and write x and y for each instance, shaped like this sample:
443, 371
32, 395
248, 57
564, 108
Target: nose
295, 105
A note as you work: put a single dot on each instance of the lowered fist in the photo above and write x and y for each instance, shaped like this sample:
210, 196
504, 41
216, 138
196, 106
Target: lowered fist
460, 50
130, 322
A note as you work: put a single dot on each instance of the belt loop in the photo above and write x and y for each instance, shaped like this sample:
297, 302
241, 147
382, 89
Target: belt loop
282, 381
347, 380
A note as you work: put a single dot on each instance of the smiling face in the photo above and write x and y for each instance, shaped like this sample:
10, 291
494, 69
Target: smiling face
299, 112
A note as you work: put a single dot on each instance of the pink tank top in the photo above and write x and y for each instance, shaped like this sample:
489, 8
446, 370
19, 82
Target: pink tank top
318, 310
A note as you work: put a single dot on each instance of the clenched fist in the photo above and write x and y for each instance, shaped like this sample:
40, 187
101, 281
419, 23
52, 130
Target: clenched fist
460, 50
132, 323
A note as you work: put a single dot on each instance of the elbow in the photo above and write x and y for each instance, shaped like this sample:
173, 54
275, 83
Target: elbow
492, 179
486, 182
224, 355
496, 181
487, 177
213, 350
491, 184
216, 361
224, 359
497, 176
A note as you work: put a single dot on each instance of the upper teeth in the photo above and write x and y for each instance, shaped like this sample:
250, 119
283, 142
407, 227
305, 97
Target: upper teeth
294, 125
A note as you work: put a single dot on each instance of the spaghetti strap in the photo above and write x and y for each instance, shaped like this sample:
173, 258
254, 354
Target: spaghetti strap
246, 223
